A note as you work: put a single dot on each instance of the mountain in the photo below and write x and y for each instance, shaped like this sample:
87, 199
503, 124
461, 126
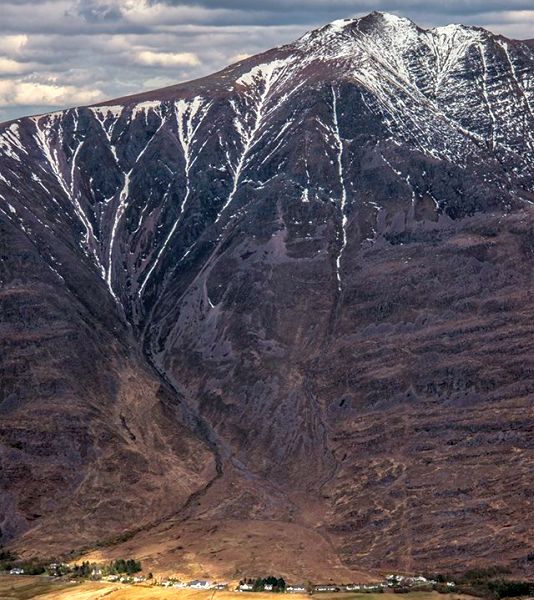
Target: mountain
278, 319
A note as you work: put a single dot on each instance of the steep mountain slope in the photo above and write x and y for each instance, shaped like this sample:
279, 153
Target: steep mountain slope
90, 436
312, 270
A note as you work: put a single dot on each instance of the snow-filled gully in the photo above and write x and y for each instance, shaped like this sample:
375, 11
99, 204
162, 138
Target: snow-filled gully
341, 175
121, 209
189, 117
263, 77
42, 137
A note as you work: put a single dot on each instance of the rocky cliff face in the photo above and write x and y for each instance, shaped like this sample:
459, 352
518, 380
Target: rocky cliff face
297, 291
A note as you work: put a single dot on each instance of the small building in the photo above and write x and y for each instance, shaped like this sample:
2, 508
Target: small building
16, 571
220, 586
326, 587
373, 587
268, 587
245, 587
198, 584
298, 588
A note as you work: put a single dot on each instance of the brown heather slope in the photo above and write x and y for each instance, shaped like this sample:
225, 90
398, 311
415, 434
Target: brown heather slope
430, 405
89, 435
425, 390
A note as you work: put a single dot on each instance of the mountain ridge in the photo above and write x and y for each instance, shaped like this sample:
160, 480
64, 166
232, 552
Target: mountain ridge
305, 264
341, 23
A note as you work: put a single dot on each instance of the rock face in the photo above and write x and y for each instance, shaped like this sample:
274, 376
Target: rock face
298, 290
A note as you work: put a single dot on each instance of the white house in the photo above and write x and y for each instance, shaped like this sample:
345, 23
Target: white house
326, 588
245, 587
199, 585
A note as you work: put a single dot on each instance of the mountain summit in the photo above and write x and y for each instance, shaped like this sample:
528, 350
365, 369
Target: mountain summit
278, 319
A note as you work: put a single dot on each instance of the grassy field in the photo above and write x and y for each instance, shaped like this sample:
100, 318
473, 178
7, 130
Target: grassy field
392, 596
24, 588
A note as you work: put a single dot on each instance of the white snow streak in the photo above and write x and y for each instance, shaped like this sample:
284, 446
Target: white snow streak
43, 131
10, 142
144, 108
343, 201
486, 95
103, 113
519, 86
123, 205
258, 84
189, 118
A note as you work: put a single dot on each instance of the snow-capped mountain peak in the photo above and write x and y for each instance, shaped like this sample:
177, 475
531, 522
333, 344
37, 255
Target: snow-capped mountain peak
455, 94
304, 261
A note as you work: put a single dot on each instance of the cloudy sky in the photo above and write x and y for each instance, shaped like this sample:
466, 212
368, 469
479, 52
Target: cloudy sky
57, 53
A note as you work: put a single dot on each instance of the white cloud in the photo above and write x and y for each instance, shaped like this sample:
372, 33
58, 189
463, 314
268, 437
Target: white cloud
239, 57
154, 83
8, 66
13, 44
166, 59
28, 93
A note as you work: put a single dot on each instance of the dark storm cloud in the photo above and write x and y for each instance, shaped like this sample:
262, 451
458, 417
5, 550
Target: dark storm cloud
320, 7
59, 52
317, 11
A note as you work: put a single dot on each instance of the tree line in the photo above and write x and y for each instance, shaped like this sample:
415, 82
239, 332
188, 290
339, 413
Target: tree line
258, 585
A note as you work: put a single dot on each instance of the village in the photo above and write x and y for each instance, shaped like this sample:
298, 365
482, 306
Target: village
391, 583
129, 572
122, 578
